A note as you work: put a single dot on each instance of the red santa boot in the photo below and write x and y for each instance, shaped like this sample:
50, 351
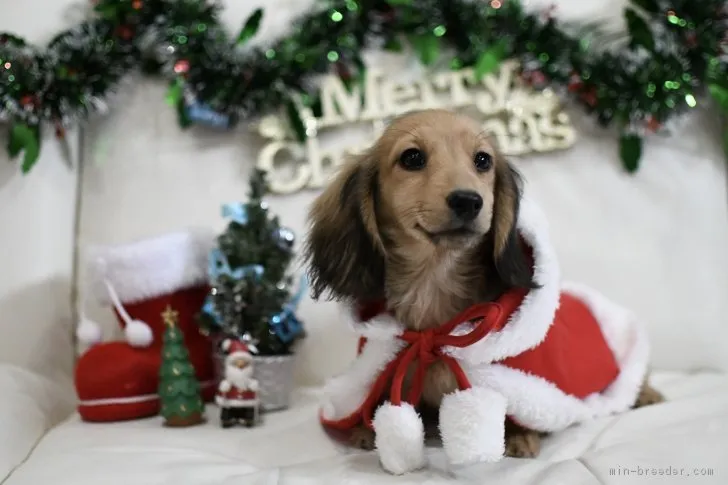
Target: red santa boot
119, 380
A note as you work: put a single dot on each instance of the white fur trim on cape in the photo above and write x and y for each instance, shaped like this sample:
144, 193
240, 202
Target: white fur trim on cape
472, 426
540, 405
151, 267
528, 325
381, 327
400, 438
344, 394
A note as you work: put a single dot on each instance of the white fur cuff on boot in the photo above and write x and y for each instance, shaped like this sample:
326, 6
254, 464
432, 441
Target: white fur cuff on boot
400, 438
472, 425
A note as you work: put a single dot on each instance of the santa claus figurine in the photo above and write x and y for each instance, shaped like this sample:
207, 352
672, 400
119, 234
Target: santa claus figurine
237, 393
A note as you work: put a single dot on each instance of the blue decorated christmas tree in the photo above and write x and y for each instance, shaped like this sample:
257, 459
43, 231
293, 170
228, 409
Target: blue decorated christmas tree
252, 295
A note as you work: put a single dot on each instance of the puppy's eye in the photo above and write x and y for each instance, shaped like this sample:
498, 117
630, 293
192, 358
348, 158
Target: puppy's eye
483, 161
412, 159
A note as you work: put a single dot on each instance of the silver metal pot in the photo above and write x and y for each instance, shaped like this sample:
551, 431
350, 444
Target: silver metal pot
275, 376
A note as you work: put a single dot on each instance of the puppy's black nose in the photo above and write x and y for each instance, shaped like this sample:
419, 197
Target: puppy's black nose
465, 204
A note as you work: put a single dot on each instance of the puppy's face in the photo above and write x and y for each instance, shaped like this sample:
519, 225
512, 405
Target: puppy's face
437, 180
431, 182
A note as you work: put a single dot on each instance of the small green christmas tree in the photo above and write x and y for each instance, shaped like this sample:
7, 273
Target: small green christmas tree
179, 389
251, 296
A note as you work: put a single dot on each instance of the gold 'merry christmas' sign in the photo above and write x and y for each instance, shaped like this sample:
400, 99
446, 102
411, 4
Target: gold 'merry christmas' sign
519, 119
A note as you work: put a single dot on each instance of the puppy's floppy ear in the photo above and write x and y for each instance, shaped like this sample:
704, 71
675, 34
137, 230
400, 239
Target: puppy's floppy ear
509, 257
344, 251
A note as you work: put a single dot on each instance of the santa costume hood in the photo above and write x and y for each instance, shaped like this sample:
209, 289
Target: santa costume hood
546, 358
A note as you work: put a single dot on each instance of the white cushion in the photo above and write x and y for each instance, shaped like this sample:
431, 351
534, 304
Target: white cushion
29, 406
291, 448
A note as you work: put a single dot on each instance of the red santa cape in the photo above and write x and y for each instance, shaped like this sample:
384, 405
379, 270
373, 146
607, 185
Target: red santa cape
547, 358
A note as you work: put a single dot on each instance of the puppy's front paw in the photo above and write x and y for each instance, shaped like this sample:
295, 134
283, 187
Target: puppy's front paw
523, 444
363, 438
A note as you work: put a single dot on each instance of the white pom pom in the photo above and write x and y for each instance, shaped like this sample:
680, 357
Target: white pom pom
88, 332
400, 438
138, 334
472, 426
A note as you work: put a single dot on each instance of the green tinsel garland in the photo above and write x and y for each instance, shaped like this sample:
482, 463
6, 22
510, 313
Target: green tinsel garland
674, 56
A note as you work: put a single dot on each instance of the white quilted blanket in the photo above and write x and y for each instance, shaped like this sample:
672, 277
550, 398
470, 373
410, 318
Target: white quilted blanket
685, 439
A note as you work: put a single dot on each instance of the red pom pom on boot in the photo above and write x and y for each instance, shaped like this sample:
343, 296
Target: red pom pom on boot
119, 380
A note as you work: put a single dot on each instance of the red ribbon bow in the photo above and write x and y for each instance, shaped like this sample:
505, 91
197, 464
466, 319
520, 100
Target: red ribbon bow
426, 348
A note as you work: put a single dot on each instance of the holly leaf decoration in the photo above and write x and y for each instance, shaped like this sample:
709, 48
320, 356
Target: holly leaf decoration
25, 138
313, 102
251, 26
639, 31
361, 70
175, 92
427, 47
183, 117
630, 151
720, 95
294, 118
317, 107
490, 60
15, 145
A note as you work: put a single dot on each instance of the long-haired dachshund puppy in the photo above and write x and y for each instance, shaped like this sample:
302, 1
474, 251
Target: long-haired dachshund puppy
424, 219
